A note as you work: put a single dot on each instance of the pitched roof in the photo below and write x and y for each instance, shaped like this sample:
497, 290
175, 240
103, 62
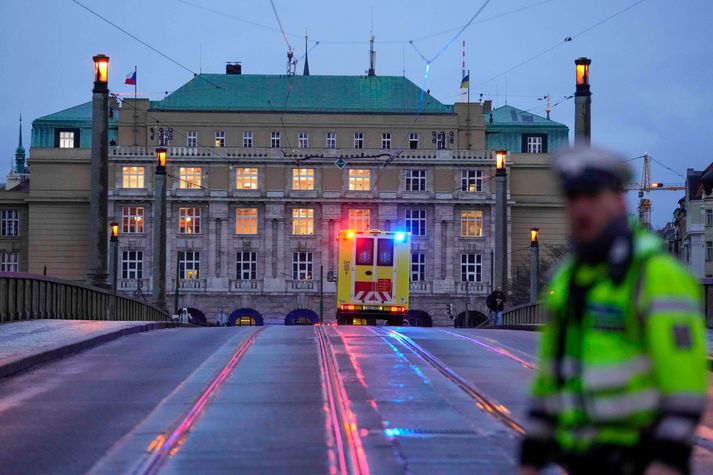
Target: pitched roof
509, 116
80, 113
273, 93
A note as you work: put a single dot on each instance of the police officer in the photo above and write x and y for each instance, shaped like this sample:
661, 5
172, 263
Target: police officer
623, 370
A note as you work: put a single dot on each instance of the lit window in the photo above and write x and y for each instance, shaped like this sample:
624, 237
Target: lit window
471, 223
220, 138
415, 180
418, 267
303, 140
192, 138
471, 181
246, 178
246, 221
303, 178
534, 145
9, 262
9, 222
331, 140
302, 265
133, 177
303, 221
359, 179
132, 219
189, 178
471, 267
416, 222
358, 140
189, 220
66, 139
386, 140
359, 219
189, 264
248, 139
246, 267
413, 140
275, 140
132, 264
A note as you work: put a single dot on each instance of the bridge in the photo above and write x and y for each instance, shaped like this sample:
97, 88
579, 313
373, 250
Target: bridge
250, 399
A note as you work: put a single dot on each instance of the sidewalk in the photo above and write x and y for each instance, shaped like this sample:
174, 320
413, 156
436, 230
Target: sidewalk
28, 343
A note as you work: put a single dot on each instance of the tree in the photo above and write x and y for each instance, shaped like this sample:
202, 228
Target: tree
552, 256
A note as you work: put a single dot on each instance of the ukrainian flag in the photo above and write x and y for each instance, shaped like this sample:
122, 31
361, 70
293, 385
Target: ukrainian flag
465, 83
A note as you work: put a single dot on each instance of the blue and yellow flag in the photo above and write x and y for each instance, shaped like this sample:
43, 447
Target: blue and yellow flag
465, 83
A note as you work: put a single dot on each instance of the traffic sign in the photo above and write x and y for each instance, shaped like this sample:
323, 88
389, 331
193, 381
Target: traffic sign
340, 163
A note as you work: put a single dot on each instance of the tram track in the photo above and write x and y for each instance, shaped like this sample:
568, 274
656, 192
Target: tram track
349, 455
164, 446
482, 401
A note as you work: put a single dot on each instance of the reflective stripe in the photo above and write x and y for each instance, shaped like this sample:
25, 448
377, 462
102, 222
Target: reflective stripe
687, 403
674, 305
682, 429
616, 407
614, 376
569, 367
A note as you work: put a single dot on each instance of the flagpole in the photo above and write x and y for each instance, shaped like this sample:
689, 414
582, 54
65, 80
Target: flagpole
469, 87
136, 80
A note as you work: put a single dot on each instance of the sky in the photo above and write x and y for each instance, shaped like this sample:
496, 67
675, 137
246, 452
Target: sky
650, 74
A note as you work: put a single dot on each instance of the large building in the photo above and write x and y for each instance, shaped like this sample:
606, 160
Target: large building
263, 172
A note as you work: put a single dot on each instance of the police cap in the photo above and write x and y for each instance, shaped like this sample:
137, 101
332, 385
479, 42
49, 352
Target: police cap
589, 170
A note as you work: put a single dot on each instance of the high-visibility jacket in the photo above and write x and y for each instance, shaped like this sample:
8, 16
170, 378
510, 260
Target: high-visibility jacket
625, 363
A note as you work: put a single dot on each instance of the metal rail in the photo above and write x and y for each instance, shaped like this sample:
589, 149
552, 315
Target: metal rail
483, 402
350, 456
528, 314
165, 446
29, 296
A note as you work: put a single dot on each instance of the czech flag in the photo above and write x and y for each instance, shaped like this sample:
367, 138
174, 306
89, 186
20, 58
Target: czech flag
465, 82
131, 78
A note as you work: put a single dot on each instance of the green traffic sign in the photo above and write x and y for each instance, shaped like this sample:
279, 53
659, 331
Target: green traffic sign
340, 163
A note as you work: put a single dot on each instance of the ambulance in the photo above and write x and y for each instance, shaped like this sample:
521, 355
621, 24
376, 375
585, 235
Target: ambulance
373, 277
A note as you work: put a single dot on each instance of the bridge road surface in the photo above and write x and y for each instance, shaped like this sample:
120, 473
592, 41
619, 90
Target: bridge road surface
278, 400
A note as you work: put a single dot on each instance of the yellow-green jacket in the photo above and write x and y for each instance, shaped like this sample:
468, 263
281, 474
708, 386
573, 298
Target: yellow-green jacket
621, 364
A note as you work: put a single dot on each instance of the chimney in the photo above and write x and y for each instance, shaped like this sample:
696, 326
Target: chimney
233, 68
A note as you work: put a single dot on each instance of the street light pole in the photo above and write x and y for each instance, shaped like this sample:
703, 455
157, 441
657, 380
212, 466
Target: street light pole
99, 176
582, 104
534, 263
114, 265
158, 273
500, 219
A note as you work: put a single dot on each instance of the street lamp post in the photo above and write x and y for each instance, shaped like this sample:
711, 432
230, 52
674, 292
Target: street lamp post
582, 104
99, 197
114, 265
158, 271
534, 263
500, 256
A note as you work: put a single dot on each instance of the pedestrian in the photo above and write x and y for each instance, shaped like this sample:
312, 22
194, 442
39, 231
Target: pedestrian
496, 303
623, 369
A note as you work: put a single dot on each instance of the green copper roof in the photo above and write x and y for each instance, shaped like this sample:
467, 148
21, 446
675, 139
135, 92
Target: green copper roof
269, 93
80, 113
509, 116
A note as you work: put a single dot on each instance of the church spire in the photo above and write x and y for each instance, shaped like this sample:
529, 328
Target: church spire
20, 154
305, 71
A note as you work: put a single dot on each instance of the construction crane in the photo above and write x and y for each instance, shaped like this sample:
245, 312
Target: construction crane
645, 186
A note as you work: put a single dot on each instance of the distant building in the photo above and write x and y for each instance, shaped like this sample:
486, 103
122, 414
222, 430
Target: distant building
13, 214
265, 170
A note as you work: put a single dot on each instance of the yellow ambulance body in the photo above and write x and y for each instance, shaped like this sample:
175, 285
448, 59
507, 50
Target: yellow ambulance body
373, 276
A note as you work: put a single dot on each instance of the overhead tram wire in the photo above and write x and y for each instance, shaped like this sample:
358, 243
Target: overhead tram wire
567, 39
136, 38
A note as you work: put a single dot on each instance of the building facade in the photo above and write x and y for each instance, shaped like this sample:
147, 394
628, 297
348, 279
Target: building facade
263, 171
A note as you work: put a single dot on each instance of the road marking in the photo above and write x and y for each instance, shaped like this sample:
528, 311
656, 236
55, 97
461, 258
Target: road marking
497, 348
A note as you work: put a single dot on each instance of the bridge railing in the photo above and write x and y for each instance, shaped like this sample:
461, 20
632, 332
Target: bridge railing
527, 314
30, 296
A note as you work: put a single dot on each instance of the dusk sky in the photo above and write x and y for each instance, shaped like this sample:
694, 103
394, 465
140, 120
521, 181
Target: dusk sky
650, 74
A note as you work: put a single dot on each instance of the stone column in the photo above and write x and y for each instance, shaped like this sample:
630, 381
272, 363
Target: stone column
97, 273
158, 271
582, 104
